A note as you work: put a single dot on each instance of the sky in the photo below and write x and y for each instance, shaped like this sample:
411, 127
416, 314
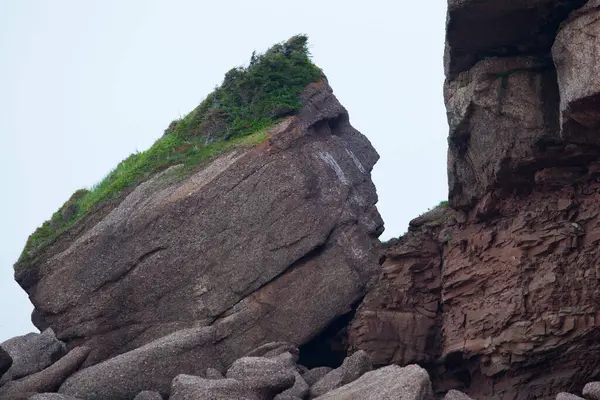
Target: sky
83, 84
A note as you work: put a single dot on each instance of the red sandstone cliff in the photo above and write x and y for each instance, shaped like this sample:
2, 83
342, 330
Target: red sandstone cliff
498, 295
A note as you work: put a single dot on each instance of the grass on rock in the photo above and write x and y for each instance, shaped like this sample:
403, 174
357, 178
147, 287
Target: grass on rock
236, 114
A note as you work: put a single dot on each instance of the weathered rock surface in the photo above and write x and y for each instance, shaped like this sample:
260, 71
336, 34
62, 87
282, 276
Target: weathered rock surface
312, 376
52, 396
148, 395
489, 293
300, 388
351, 369
47, 380
274, 349
388, 383
591, 391
187, 387
286, 397
567, 396
212, 373
398, 320
501, 28
456, 395
574, 54
150, 367
488, 304
31, 353
262, 375
254, 242
512, 97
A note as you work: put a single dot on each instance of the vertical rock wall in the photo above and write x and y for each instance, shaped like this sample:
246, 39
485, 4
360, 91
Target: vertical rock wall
499, 295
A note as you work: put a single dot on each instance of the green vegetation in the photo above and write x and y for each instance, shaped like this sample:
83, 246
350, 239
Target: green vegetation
237, 113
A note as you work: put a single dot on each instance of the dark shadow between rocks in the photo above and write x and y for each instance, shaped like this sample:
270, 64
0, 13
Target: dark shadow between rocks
330, 347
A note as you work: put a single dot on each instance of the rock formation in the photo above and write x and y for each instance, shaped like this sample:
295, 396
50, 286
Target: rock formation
498, 295
193, 267
254, 242
203, 282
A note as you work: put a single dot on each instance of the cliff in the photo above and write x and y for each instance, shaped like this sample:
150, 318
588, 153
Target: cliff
498, 295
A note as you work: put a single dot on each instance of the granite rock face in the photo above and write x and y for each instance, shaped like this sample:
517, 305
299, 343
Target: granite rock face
254, 242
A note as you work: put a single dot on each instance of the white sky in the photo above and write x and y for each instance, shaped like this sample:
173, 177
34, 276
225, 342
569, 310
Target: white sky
85, 83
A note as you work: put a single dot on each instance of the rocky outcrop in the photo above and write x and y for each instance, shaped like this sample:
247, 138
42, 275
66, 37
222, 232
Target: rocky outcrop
265, 376
388, 383
47, 380
31, 353
254, 242
186, 387
506, 297
497, 295
478, 30
398, 320
150, 367
514, 98
275, 376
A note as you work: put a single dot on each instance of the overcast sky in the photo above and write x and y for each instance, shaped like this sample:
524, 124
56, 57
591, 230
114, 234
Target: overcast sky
85, 83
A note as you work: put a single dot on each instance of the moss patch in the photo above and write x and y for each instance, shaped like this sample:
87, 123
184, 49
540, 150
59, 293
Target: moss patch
237, 113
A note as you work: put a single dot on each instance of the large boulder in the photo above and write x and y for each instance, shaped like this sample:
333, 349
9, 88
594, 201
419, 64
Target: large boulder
314, 375
351, 369
388, 383
254, 242
187, 387
592, 391
150, 367
300, 388
47, 380
262, 375
31, 353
